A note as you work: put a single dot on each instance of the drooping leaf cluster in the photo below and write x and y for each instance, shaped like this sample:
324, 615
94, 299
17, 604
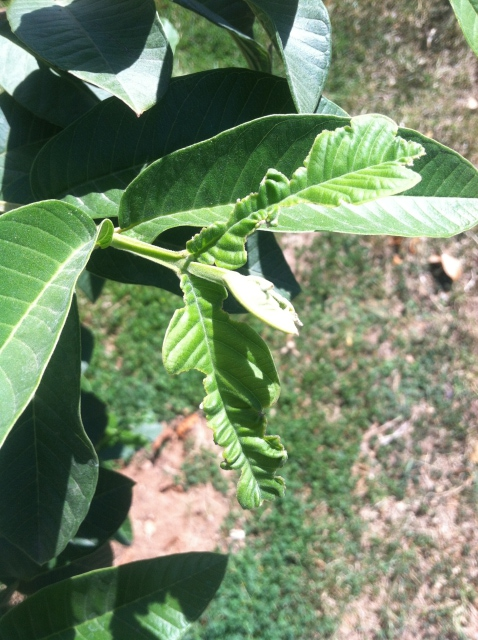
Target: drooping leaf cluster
103, 155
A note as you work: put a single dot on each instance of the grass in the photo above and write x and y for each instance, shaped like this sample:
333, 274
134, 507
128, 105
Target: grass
378, 395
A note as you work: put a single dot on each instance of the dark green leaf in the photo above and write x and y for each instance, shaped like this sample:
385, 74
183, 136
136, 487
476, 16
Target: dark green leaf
118, 45
301, 32
235, 13
123, 266
145, 600
109, 507
60, 99
43, 249
265, 259
91, 285
237, 18
194, 108
22, 135
124, 535
97, 558
15, 564
94, 415
48, 467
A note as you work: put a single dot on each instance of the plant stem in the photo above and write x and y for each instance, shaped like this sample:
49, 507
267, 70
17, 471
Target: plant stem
174, 260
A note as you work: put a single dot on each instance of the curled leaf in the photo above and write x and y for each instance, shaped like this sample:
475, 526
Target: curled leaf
258, 296
241, 383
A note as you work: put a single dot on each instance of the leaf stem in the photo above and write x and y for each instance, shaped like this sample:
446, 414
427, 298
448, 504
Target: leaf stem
174, 260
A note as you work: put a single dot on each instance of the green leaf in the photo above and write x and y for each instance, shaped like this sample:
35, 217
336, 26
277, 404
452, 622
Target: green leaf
201, 193
91, 284
43, 249
354, 164
283, 142
357, 163
118, 45
257, 295
266, 260
22, 135
237, 18
327, 107
15, 564
406, 216
467, 13
108, 510
60, 99
235, 13
146, 600
91, 176
241, 382
48, 466
302, 34
124, 266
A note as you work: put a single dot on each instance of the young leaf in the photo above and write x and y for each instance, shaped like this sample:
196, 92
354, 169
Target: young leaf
302, 34
257, 295
58, 99
241, 382
467, 13
48, 466
118, 45
157, 598
43, 249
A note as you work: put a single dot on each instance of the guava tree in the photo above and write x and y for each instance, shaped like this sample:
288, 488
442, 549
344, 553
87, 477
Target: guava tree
107, 161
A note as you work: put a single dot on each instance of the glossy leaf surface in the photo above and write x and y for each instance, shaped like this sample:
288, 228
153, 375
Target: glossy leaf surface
147, 600
302, 34
241, 382
118, 45
467, 13
48, 466
43, 249
58, 99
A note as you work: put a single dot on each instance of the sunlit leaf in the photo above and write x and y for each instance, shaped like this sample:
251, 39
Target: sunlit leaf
467, 14
149, 599
43, 249
48, 466
92, 176
302, 34
60, 99
207, 194
118, 45
241, 382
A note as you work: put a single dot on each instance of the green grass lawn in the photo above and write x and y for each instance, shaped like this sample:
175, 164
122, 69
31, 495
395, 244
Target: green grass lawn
356, 545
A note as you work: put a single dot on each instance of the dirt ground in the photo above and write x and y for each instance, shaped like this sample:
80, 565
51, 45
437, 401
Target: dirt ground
165, 518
